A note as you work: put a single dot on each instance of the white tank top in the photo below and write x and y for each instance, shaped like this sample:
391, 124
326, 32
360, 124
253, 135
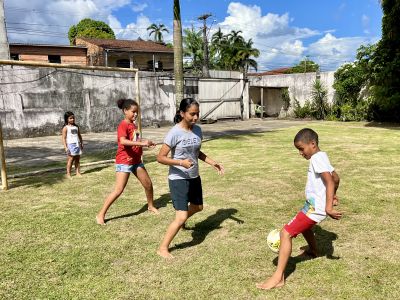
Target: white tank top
72, 134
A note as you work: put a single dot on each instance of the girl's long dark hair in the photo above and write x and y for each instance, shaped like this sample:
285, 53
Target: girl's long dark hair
66, 116
126, 103
183, 107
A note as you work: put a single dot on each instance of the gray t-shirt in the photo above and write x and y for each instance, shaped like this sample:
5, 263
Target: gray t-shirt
184, 144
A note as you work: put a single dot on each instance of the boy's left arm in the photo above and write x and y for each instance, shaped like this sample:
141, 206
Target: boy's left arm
336, 180
329, 182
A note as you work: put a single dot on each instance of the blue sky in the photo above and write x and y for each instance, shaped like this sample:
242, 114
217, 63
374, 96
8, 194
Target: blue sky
287, 31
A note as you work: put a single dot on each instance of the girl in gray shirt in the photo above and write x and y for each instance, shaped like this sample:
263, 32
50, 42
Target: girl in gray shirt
184, 143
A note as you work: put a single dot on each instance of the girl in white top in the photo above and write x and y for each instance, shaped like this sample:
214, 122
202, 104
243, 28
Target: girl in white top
73, 143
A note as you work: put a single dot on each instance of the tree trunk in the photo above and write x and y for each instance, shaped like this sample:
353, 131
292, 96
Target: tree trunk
4, 48
178, 54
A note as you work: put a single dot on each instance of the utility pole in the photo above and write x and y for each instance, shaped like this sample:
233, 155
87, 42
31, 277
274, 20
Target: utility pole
4, 48
204, 17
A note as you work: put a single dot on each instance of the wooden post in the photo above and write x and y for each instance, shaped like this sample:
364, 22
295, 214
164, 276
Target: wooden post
4, 183
262, 102
139, 123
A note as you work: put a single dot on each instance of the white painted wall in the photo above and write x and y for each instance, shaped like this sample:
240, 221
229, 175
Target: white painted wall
300, 85
34, 99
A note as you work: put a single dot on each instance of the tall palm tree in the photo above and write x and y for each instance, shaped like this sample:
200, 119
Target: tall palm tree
157, 31
247, 50
193, 47
178, 53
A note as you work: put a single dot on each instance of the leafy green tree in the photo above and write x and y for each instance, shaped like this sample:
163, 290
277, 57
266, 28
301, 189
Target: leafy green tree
385, 81
303, 66
157, 31
90, 29
193, 48
349, 81
244, 54
232, 52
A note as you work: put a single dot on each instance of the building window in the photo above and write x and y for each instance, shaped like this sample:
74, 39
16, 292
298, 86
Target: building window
55, 59
14, 56
158, 65
123, 63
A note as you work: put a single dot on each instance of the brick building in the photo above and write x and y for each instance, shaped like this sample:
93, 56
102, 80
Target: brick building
139, 54
72, 55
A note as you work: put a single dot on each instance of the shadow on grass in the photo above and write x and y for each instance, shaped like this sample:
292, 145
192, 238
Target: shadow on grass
202, 229
49, 178
325, 248
393, 126
160, 202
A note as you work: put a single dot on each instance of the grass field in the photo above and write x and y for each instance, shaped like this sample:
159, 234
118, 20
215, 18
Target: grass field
51, 247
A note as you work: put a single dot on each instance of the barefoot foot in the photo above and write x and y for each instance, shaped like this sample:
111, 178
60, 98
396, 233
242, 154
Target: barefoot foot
164, 253
100, 220
307, 252
153, 210
271, 283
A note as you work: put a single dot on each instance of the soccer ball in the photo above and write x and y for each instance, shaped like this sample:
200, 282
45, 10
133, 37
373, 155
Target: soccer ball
274, 240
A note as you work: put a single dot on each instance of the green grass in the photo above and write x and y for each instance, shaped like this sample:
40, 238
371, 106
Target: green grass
51, 247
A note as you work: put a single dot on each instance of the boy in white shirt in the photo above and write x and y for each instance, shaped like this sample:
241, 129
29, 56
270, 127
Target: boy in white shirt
322, 183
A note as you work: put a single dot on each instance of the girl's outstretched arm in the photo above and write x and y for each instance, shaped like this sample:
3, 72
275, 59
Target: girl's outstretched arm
217, 166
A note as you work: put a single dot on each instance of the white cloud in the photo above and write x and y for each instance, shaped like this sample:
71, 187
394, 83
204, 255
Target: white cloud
136, 30
279, 43
330, 52
21, 16
138, 7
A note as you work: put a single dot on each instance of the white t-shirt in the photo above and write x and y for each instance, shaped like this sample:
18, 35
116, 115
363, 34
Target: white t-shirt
184, 144
72, 134
315, 204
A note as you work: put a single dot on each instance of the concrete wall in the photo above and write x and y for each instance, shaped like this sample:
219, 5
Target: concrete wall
299, 85
34, 99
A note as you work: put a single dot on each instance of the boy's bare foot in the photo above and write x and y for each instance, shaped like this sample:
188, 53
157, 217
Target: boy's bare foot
153, 209
79, 174
68, 176
271, 283
307, 252
165, 253
100, 220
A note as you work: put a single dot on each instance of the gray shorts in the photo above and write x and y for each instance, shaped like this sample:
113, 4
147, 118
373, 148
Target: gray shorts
185, 191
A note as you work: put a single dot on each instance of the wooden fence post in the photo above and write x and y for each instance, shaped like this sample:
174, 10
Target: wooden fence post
4, 183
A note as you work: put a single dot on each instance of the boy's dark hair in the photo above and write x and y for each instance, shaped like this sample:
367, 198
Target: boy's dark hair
66, 116
306, 135
126, 103
183, 107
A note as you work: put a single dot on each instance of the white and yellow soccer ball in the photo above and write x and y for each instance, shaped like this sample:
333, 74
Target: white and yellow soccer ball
274, 240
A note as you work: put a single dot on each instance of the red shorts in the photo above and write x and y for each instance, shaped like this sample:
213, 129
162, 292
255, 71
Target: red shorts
299, 224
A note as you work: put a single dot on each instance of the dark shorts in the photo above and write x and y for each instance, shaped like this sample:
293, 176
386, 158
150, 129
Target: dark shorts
299, 224
185, 191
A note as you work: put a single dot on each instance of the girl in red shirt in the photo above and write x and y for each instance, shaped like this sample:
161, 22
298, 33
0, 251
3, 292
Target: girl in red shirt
129, 159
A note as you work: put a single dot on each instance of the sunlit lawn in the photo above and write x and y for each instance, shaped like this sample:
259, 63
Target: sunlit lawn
51, 247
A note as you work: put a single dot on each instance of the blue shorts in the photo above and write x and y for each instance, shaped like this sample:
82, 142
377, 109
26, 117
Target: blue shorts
74, 149
185, 191
128, 168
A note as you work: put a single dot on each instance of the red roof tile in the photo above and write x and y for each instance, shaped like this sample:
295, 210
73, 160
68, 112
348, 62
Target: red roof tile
279, 71
130, 45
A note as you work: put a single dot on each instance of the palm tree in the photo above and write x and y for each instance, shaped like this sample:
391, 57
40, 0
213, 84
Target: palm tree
178, 53
193, 47
157, 31
244, 54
